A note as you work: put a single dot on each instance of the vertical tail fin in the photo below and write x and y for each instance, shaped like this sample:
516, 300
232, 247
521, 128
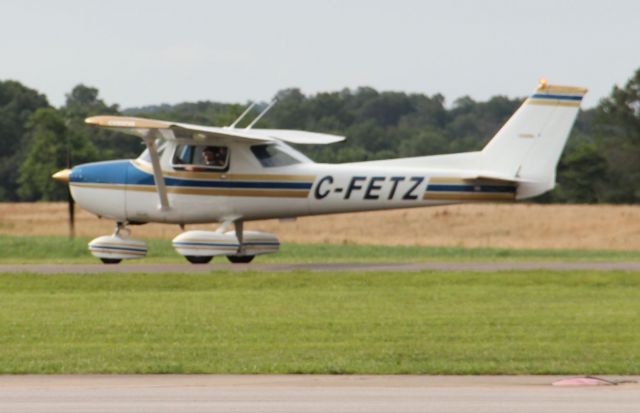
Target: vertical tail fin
529, 145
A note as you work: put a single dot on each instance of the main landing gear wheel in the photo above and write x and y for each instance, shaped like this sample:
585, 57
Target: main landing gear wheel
240, 259
110, 260
193, 259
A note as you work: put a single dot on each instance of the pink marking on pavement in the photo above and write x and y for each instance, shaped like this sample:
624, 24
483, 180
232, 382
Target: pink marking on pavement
583, 381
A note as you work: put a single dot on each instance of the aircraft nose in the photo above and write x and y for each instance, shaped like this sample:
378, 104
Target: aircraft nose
62, 176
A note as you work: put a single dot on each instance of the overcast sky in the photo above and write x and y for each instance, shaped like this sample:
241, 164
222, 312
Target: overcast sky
150, 52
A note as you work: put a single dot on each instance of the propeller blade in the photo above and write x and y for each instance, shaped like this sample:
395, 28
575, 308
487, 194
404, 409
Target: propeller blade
72, 214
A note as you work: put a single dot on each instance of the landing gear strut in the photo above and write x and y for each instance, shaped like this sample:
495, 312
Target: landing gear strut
240, 258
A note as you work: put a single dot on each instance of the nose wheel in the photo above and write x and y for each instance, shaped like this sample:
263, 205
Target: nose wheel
110, 260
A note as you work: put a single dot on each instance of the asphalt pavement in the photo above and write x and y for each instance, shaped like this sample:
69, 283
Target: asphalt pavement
303, 393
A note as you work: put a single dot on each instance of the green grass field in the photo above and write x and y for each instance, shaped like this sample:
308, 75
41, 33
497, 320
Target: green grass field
379, 323
17, 250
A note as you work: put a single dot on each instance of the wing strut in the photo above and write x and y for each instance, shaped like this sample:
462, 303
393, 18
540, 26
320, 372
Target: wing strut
150, 141
264, 112
233, 125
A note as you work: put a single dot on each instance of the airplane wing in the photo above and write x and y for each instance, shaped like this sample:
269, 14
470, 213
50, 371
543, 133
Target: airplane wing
175, 131
150, 129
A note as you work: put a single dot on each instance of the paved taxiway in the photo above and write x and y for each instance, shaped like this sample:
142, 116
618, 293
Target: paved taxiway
319, 267
199, 393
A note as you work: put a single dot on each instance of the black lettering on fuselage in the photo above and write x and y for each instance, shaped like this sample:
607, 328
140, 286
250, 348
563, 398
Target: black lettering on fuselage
369, 194
353, 185
371, 187
409, 195
318, 194
395, 180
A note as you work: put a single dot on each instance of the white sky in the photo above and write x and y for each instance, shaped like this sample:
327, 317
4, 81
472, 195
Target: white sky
149, 52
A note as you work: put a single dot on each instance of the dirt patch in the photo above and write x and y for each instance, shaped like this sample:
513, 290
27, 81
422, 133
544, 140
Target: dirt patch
595, 227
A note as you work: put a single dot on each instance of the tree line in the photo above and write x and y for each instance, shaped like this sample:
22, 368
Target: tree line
601, 163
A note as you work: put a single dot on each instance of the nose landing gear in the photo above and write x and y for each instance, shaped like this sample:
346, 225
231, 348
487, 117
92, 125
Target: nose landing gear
112, 249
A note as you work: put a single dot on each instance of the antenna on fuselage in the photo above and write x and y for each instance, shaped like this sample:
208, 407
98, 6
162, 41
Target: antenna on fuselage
264, 112
247, 110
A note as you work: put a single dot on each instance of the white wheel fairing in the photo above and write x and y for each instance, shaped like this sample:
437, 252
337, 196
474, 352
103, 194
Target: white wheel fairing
117, 248
205, 244
257, 243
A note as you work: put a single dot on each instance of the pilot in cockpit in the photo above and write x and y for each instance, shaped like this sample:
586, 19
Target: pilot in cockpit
214, 156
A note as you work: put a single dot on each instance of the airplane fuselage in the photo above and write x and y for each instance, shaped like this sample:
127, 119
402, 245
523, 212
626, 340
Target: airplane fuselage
125, 190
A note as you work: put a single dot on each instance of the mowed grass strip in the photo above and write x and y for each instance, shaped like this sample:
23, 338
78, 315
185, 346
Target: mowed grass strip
46, 250
376, 323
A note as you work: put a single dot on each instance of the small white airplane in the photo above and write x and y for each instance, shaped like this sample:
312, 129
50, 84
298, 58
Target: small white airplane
199, 174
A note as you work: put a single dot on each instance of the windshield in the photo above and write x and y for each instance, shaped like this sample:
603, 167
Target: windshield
145, 156
274, 155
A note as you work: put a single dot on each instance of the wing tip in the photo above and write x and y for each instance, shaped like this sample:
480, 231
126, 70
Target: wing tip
110, 121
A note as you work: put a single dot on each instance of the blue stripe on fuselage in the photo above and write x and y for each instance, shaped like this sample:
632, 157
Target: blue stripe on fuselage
471, 188
236, 184
124, 172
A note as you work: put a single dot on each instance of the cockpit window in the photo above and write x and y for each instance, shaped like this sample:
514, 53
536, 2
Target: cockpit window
272, 155
183, 155
201, 158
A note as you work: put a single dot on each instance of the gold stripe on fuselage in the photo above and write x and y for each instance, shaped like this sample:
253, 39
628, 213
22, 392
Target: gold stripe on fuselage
210, 176
265, 193
469, 181
471, 196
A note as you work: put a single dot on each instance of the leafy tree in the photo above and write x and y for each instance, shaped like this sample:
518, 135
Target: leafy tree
617, 126
84, 101
425, 142
17, 103
290, 110
50, 144
581, 175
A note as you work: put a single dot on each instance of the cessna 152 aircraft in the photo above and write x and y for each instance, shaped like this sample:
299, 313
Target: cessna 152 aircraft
199, 174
